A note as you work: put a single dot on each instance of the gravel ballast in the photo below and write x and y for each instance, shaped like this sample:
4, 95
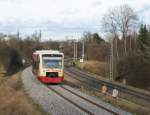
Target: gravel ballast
55, 104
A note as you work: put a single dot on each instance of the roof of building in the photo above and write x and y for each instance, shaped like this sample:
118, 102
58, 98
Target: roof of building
47, 52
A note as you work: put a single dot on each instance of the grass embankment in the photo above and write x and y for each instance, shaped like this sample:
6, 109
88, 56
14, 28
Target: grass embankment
96, 67
13, 99
101, 69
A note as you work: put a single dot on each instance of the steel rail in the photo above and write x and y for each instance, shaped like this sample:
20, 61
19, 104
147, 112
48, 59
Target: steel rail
98, 105
70, 101
93, 83
111, 85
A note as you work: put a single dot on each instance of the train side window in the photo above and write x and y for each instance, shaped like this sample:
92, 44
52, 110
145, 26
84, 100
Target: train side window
37, 65
33, 64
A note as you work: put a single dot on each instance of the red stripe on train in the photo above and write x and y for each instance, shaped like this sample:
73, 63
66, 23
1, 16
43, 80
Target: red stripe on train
45, 79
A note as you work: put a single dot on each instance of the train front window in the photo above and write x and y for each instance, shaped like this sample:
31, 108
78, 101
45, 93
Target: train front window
52, 62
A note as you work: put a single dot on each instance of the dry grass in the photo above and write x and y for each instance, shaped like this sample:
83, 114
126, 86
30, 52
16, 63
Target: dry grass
121, 103
13, 99
94, 67
2, 71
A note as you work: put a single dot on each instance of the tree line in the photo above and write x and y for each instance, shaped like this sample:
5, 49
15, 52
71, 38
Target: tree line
130, 45
125, 48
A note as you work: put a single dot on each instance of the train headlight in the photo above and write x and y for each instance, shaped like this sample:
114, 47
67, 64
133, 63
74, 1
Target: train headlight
60, 74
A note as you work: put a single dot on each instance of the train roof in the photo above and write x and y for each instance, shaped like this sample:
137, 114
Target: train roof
47, 52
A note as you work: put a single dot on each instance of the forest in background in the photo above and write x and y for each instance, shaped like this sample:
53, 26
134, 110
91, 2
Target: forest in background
125, 49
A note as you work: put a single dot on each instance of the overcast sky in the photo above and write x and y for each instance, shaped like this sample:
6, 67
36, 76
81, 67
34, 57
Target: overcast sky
59, 18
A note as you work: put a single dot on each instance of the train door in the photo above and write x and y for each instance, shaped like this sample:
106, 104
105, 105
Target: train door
35, 64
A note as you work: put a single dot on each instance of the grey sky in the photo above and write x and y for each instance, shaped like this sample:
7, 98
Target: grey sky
59, 18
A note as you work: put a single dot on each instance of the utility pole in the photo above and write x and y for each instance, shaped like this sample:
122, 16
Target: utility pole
83, 49
75, 50
40, 34
111, 60
18, 35
82, 59
61, 47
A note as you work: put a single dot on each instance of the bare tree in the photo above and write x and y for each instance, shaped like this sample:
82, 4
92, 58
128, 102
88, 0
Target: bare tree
109, 24
119, 21
127, 21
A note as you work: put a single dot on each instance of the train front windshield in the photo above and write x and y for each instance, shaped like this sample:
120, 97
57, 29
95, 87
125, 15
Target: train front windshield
52, 62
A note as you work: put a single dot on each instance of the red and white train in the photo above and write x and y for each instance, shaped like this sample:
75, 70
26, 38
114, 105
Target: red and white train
48, 66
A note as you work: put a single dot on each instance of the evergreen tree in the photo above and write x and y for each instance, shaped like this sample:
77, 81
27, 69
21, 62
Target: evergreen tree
143, 34
97, 38
144, 43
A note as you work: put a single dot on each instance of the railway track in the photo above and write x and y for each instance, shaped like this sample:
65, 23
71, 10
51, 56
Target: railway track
58, 100
124, 92
77, 104
57, 92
